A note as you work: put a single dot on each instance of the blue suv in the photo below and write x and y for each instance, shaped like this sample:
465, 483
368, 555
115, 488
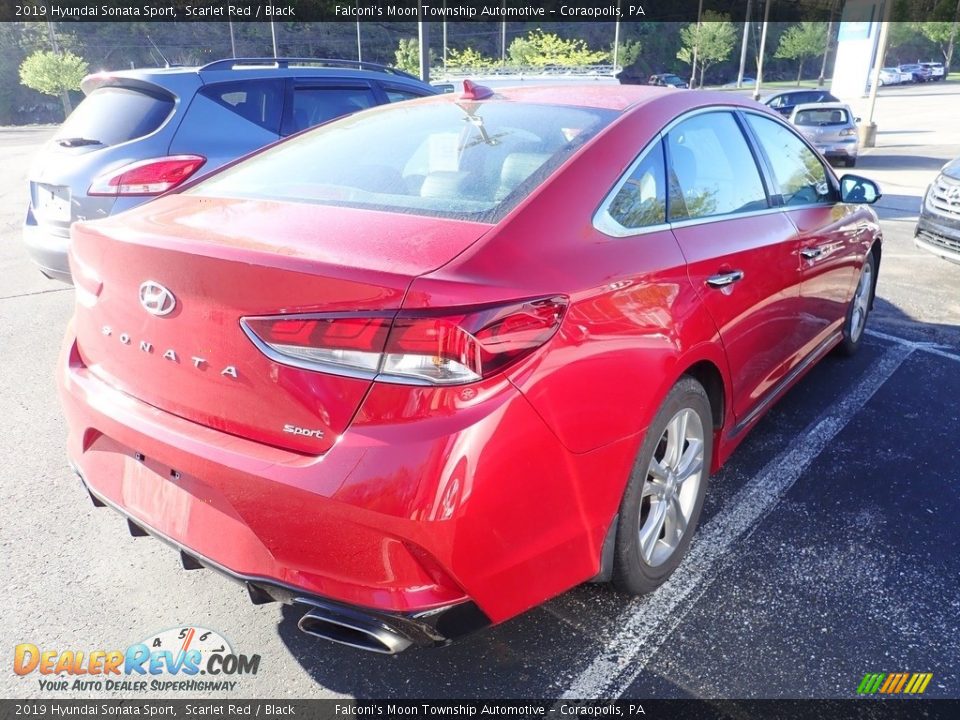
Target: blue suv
140, 133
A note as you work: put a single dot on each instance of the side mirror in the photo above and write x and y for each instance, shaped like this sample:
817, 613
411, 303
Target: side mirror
856, 189
856, 120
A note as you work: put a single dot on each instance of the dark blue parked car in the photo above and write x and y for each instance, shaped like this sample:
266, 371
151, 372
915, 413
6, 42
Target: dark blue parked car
139, 133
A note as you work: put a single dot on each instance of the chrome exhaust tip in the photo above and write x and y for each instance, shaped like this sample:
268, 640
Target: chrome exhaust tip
363, 633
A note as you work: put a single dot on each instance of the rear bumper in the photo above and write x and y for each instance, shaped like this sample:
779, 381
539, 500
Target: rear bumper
438, 626
403, 520
48, 249
843, 151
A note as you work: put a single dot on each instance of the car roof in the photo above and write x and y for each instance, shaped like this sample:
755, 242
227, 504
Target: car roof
178, 78
618, 98
798, 90
822, 106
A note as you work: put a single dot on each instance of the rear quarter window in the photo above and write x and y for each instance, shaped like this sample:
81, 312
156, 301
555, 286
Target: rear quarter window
258, 101
114, 115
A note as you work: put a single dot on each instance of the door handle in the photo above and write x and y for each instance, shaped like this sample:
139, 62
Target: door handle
725, 278
812, 253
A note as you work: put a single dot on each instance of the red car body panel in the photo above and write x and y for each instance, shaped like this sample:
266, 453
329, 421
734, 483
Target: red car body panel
501, 492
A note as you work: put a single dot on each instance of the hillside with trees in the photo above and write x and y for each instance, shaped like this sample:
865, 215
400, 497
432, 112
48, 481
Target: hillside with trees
26, 94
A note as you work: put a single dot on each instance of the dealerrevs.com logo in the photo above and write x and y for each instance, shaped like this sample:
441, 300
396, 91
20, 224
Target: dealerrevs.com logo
190, 659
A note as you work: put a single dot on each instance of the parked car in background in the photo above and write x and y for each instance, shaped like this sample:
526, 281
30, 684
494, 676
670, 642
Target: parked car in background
140, 133
748, 81
890, 76
917, 72
785, 102
938, 228
937, 70
832, 129
423, 368
667, 80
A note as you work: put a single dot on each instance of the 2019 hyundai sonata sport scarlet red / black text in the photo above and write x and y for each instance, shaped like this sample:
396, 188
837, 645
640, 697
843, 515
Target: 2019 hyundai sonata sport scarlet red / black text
423, 368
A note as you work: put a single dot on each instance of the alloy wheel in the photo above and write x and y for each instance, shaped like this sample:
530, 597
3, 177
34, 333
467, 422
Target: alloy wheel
861, 302
670, 489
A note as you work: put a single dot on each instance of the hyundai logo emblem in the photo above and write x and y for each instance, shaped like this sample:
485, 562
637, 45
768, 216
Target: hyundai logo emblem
953, 195
156, 299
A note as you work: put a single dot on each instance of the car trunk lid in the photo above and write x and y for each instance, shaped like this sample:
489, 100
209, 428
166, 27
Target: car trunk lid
222, 260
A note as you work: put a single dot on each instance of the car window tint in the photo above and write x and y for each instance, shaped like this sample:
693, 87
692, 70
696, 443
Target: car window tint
315, 105
642, 200
712, 171
113, 115
799, 173
398, 95
472, 161
259, 101
822, 116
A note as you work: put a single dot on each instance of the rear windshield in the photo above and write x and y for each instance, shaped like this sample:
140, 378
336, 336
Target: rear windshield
466, 160
825, 116
112, 115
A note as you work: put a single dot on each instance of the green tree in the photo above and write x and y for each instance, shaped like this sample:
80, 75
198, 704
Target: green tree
628, 53
900, 34
468, 59
539, 49
408, 56
802, 41
944, 35
52, 74
713, 39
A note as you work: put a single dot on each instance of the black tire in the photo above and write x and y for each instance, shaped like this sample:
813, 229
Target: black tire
853, 336
632, 573
850, 162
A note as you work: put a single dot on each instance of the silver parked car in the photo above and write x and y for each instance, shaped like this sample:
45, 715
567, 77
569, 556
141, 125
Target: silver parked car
832, 129
139, 133
938, 227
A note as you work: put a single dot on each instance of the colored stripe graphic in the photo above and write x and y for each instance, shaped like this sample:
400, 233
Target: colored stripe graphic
894, 683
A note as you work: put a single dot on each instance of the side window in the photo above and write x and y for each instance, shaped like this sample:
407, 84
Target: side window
777, 102
259, 101
712, 171
318, 104
395, 94
642, 199
799, 173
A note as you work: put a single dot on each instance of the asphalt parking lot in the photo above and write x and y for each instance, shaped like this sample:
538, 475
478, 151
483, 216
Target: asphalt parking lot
829, 546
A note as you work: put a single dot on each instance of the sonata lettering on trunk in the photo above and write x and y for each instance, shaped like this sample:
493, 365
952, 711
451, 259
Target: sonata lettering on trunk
169, 354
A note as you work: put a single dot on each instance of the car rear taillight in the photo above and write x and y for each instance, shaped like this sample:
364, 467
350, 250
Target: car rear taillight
147, 177
414, 347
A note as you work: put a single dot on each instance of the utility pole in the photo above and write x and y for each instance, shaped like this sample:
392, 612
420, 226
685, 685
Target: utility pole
743, 45
763, 45
696, 46
826, 50
233, 43
868, 130
64, 95
953, 35
423, 32
616, 41
503, 38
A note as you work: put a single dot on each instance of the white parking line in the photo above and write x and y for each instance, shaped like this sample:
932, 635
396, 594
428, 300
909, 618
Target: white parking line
647, 622
929, 347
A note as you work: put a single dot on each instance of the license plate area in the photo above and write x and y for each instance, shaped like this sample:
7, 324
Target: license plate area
52, 203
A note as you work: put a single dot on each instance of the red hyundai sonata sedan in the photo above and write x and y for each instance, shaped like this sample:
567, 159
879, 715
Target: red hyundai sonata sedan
423, 368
